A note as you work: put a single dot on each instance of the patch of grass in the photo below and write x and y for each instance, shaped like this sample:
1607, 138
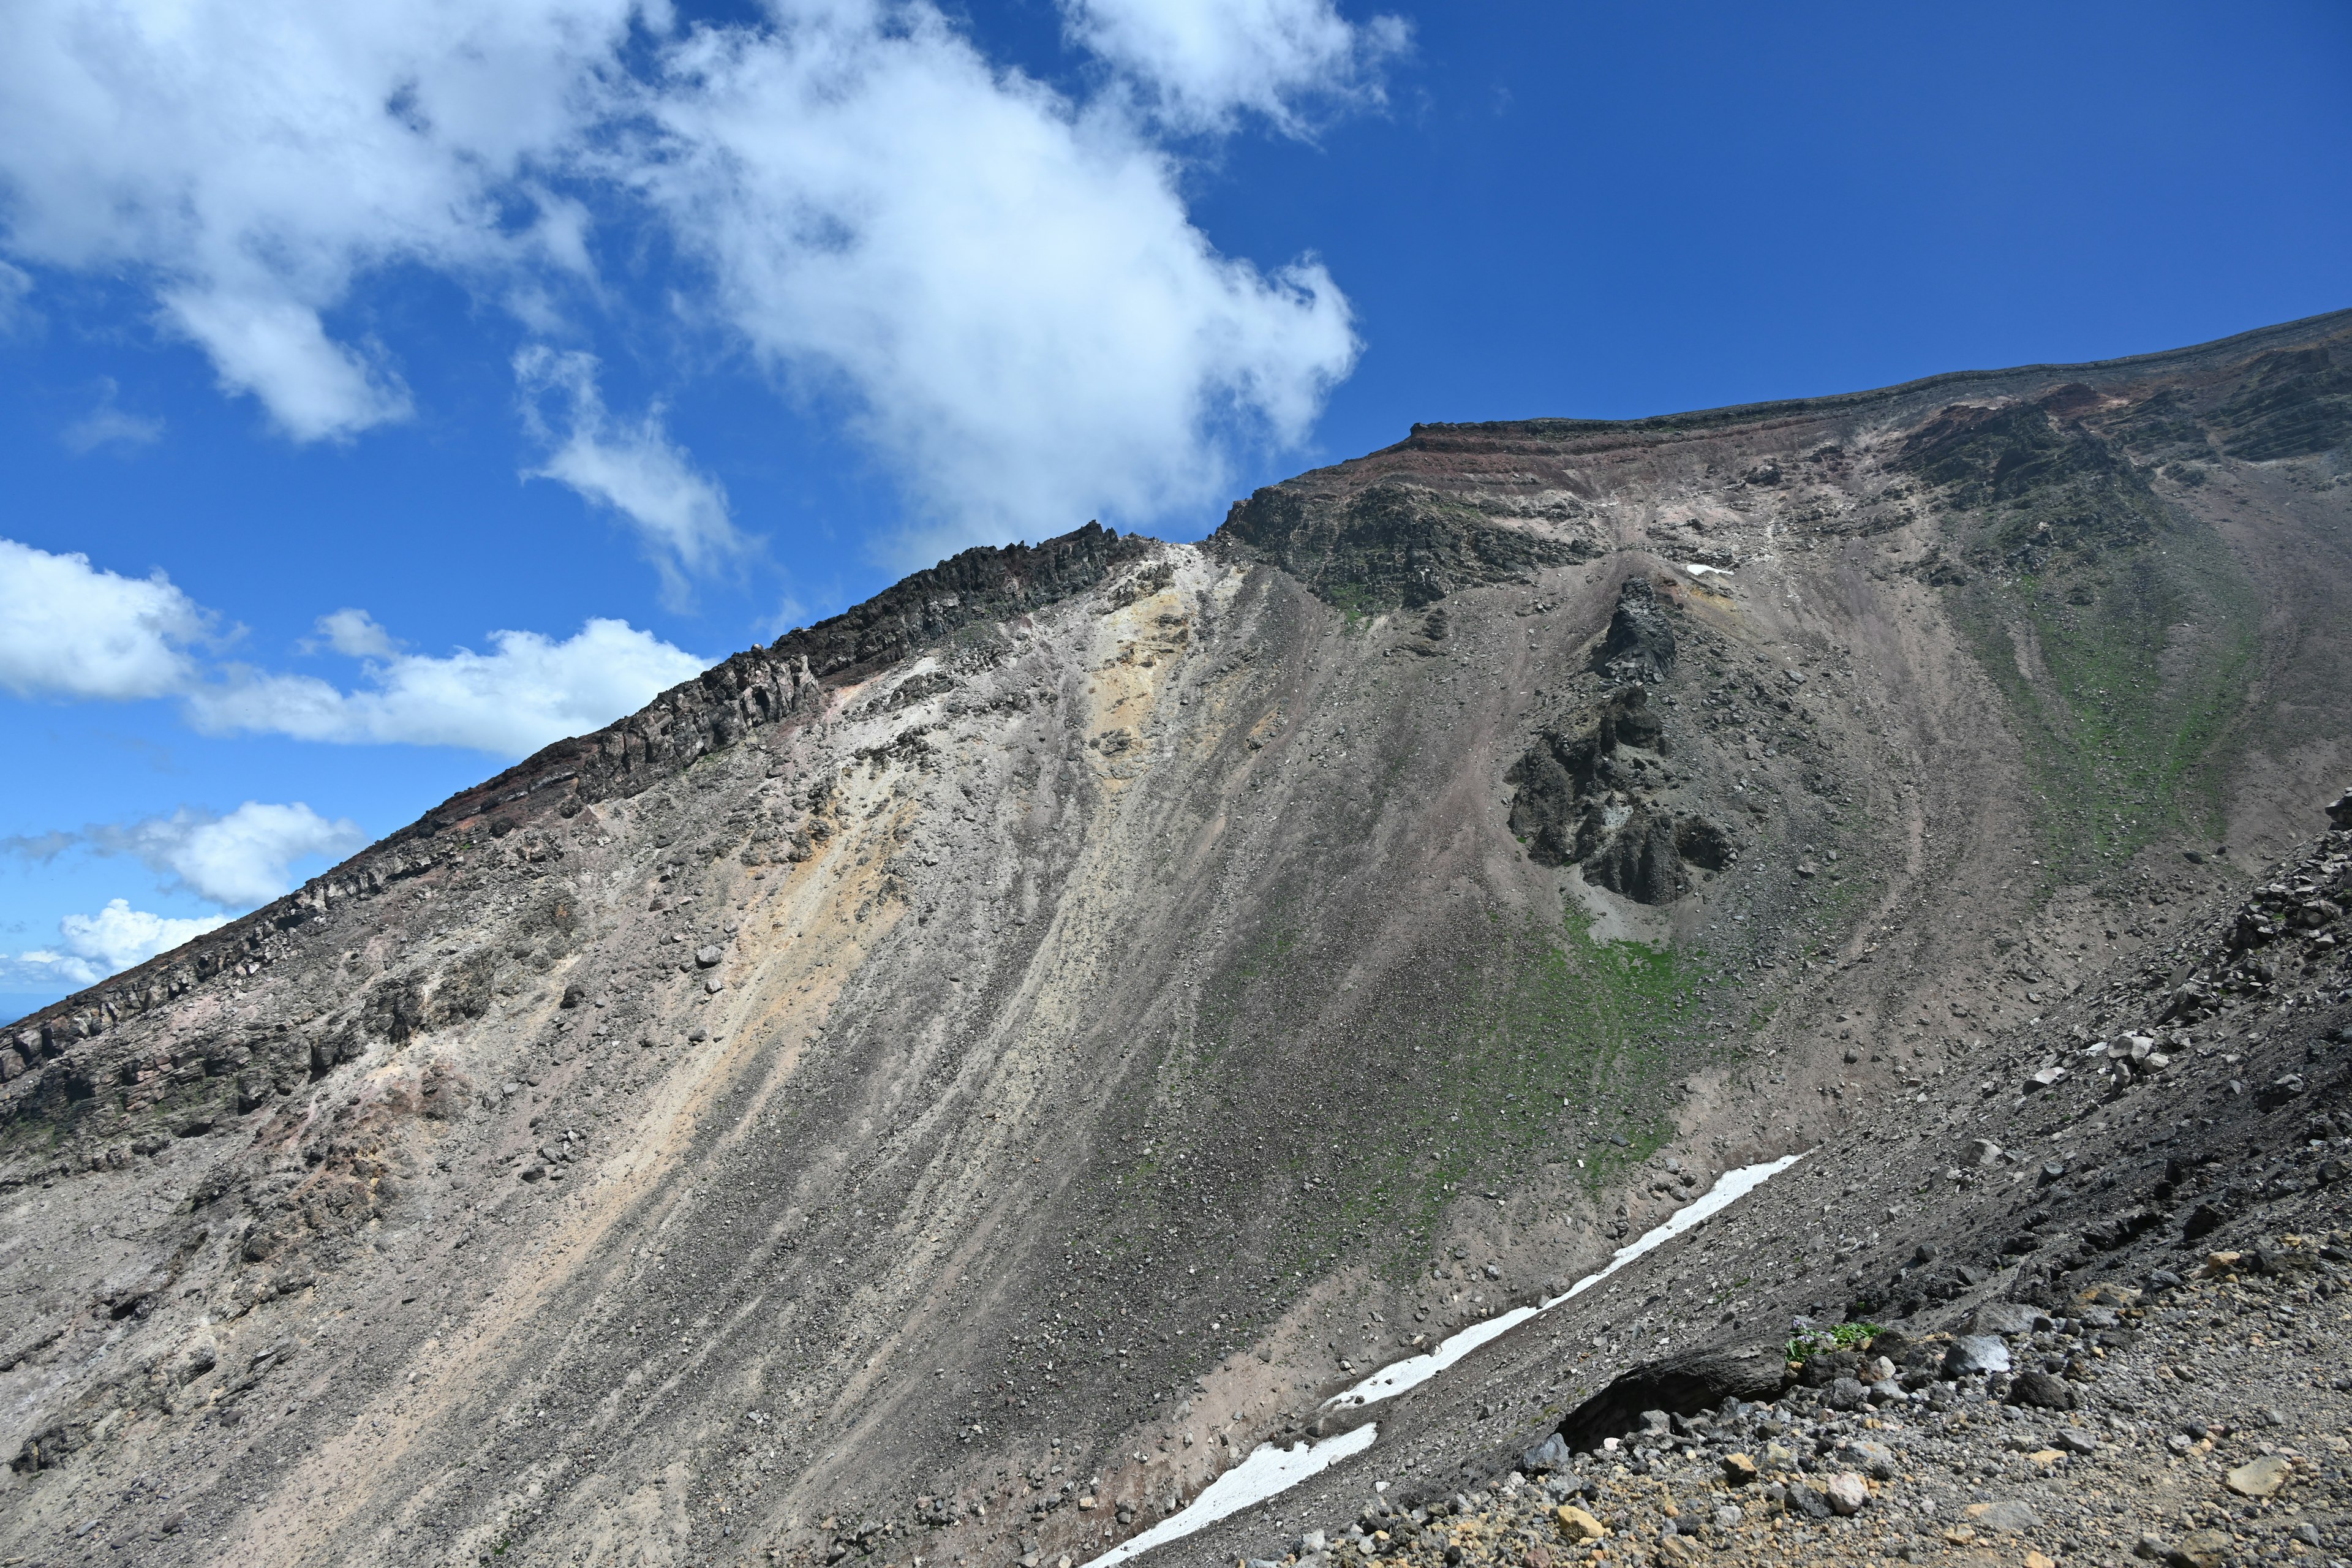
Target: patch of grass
1546, 1016
2123, 717
1822, 1341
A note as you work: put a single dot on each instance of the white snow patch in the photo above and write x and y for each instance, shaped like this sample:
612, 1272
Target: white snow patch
1269, 1470
1700, 569
1397, 1377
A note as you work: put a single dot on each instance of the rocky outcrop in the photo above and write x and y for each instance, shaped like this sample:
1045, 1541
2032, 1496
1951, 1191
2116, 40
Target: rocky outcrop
1590, 798
1640, 642
1391, 544
1685, 1385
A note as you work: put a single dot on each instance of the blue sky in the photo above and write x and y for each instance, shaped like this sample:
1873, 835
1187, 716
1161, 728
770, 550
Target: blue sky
415, 384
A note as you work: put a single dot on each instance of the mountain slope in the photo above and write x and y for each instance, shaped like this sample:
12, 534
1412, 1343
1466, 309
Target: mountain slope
1032, 1036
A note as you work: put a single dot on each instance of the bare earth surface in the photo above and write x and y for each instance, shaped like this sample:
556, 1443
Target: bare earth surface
944, 1087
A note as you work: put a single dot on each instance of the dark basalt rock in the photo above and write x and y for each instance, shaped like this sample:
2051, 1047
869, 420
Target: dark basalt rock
1640, 642
1680, 1385
1562, 808
1391, 544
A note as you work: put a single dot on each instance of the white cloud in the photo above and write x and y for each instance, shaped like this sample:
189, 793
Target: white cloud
236, 861
1007, 288
95, 946
354, 634
1002, 285
251, 157
1199, 62
530, 692
315, 388
109, 425
634, 469
69, 630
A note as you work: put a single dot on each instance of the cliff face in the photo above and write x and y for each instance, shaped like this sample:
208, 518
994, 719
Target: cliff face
1021, 1040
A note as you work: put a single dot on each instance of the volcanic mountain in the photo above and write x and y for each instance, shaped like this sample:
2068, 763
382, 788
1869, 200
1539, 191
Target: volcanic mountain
947, 1085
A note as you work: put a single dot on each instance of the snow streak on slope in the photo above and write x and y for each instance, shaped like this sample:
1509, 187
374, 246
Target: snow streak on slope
1270, 1470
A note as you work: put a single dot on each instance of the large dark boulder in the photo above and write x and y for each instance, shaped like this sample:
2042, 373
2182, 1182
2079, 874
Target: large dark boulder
1640, 642
1680, 1385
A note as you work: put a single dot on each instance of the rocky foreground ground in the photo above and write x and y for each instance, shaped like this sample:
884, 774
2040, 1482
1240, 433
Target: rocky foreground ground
2205, 1423
2130, 1335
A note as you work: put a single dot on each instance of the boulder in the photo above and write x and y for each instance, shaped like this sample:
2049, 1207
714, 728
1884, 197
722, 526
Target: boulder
1975, 1356
1692, 1381
2038, 1390
1848, 1494
2005, 1317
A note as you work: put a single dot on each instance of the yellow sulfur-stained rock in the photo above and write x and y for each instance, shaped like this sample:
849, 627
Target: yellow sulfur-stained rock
1577, 1524
2258, 1478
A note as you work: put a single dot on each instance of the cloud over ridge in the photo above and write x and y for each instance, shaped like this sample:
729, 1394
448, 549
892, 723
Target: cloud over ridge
71, 630
95, 946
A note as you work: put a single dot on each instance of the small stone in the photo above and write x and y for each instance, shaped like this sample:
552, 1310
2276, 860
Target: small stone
1738, 1469
2306, 1533
1552, 1453
709, 957
1847, 1393
1976, 1355
1808, 1502
1578, 1525
2004, 1518
714, 985
1848, 1493
2039, 1390
2200, 1549
2008, 1317
1875, 1460
1728, 1516
2035, 1560
2258, 1478
2076, 1442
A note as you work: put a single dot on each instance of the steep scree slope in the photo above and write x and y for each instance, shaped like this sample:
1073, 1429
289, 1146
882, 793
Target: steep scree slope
948, 1083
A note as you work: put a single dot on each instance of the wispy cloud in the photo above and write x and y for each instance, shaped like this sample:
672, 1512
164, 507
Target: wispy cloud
632, 468
354, 634
109, 425
1198, 65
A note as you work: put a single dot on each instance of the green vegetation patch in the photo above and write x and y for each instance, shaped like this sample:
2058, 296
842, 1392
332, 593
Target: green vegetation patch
2121, 632
1823, 1341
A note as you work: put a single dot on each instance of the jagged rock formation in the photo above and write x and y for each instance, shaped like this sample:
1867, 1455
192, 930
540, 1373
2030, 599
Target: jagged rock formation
1595, 798
948, 1083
